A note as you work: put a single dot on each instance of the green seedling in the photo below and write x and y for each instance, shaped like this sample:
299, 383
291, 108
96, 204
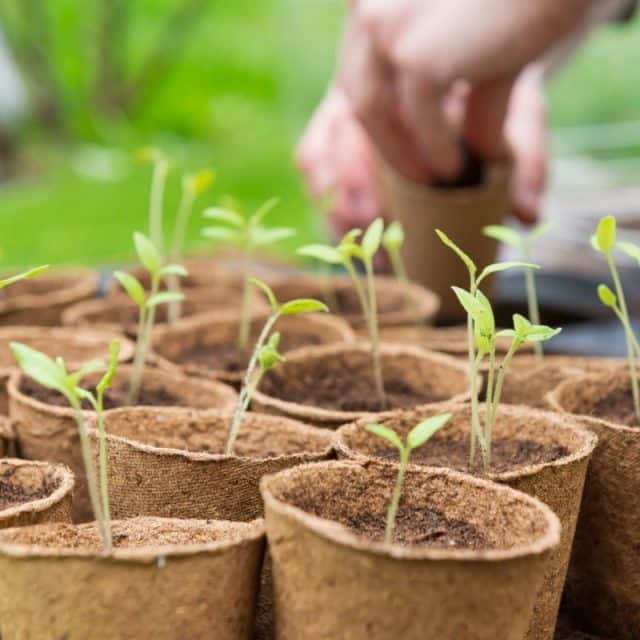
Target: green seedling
605, 242
265, 354
248, 235
150, 258
344, 254
418, 436
524, 243
27, 275
479, 310
161, 167
53, 374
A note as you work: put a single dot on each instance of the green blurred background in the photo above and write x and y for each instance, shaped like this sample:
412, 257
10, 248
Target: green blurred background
227, 85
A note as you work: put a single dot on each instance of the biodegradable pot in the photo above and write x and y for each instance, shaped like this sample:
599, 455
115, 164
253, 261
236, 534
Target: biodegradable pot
76, 346
603, 584
554, 471
205, 345
335, 578
339, 294
461, 214
419, 377
48, 431
34, 492
7, 437
165, 579
42, 300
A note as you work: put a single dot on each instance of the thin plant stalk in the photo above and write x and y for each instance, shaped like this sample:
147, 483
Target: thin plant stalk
245, 320
475, 415
104, 478
394, 504
532, 301
476, 430
373, 332
158, 181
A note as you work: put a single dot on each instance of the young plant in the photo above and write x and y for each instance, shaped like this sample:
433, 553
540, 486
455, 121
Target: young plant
27, 275
265, 353
53, 374
344, 254
161, 167
416, 438
151, 260
605, 242
248, 235
523, 242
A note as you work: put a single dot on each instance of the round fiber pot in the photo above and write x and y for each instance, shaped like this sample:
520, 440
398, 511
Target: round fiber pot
7, 437
47, 430
206, 345
461, 214
603, 584
329, 386
42, 300
165, 579
467, 559
76, 346
338, 292
537, 452
34, 492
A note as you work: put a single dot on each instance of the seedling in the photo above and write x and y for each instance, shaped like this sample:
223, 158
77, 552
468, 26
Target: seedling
344, 254
27, 275
161, 167
265, 353
248, 235
418, 436
523, 242
604, 241
53, 374
151, 260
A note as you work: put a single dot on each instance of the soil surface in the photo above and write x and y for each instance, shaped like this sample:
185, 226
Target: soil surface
506, 455
13, 492
422, 527
617, 407
116, 396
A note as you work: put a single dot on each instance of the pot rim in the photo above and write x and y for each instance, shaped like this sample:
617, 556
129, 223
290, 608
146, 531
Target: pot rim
341, 535
66, 486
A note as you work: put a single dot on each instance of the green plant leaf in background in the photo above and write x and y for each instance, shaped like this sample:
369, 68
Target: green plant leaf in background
132, 286
426, 429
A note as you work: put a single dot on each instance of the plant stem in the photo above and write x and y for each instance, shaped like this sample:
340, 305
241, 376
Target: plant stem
245, 321
392, 511
373, 333
473, 383
158, 180
104, 479
476, 431
490, 390
532, 301
177, 249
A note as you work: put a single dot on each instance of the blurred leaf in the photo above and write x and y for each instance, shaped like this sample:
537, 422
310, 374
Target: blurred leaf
198, 182
386, 434
147, 252
107, 378
27, 275
540, 230
262, 211
321, 252
607, 297
605, 238
262, 236
632, 250
372, 238
503, 234
224, 215
164, 297
174, 270
266, 289
223, 233
302, 305
469, 263
39, 366
426, 429
132, 286
504, 266
393, 237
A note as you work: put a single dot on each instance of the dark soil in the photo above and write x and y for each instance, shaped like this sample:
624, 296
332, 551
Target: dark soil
13, 493
116, 396
617, 407
507, 454
422, 527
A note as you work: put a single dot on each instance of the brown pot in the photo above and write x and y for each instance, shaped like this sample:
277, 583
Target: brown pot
165, 579
461, 214
42, 300
339, 294
185, 343
76, 346
7, 437
335, 578
603, 586
48, 431
287, 390
34, 493
558, 482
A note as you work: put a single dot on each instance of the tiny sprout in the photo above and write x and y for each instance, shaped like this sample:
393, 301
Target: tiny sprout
150, 259
247, 234
53, 374
344, 254
523, 242
265, 354
418, 436
27, 275
161, 167
605, 242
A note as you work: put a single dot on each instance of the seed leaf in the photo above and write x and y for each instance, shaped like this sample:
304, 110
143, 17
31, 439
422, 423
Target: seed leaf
503, 234
198, 183
262, 236
605, 238
303, 305
147, 252
224, 215
539, 230
387, 434
504, 266
39, 366
632, 250
266, 289
470, 304
426, 429
222, 233
268, 356
164, 297
174, 270
372, 238
393, 237
542, 333
322, 252
107, 378
131, 285
27, 275
469, 263
607, 297
262, 211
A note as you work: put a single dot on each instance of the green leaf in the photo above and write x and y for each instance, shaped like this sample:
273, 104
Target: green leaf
469, 303
506, 333
372, 238
426, 429
224, 234
174, 270
164, 297
107, 378
521, 325
27, 275
393, 237
303, 305
262, 211
224, 215
607, 297
486, 322
504, 266
147, 252
321, 252
605, 238
198, 183
266, 289
469, 263
39, 366
387, 434
539, 230
632, 250
268, 356
503, 234
132, 286
350, 237
262, 236
541, 333
73, 379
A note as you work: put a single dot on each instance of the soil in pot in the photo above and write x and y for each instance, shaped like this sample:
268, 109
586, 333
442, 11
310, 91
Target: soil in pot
34, 492
537, 452
190, 578
466, 563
